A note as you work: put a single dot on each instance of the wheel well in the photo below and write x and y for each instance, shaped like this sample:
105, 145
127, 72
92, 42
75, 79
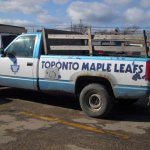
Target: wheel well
81, 82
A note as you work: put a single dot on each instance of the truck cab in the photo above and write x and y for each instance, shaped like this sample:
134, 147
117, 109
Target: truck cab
21, 62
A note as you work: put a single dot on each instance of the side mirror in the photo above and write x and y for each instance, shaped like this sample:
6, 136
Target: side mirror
9, 54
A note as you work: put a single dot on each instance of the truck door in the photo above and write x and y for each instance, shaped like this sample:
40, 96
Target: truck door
17, 67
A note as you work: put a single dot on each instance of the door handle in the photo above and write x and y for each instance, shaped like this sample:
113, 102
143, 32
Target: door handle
29, 64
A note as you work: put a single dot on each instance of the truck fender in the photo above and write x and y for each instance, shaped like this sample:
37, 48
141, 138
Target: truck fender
105, 75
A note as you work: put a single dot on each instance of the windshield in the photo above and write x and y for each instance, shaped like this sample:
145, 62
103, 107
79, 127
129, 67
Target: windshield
22, 46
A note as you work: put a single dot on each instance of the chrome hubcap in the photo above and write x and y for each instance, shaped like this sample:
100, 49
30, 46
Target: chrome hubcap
95, 101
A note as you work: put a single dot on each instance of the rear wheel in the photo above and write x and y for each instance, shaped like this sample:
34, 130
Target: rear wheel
95, 101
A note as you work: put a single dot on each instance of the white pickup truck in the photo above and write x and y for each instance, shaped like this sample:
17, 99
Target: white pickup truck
98, 80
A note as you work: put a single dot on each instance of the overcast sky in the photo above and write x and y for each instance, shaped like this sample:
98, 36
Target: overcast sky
110, 13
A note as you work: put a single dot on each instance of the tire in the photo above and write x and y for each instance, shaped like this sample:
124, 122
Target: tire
126, 102
95, 101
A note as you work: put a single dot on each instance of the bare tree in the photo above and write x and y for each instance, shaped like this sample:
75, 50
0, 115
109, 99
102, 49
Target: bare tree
81, 27
131, 30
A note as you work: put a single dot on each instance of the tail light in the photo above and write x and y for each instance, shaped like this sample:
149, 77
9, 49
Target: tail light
100, 52
148, 71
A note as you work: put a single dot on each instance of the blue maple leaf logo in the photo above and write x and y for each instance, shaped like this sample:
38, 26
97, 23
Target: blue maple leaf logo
15, 68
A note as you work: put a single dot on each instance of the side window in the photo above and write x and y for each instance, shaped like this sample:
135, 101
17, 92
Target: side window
22, 47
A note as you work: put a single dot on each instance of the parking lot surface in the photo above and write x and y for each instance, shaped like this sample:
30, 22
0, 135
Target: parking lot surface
55, 121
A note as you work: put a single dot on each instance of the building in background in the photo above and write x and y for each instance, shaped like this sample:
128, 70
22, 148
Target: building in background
8, 33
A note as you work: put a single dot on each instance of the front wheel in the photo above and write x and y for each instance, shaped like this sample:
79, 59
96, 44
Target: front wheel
95, 101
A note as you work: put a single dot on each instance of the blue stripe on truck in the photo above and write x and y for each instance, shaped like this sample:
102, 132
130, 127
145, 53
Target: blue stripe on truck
120, 91
56, 85
124, 91
97, 58
18, 82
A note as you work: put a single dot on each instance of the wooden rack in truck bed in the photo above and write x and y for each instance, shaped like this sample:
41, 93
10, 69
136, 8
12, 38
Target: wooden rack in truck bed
96, 44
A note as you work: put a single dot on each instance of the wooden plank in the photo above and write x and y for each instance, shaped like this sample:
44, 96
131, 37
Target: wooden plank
44, 42
145, 42
80, 48
90, 41
67, 36
119, 48
99, 37
103, 48
119, 37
